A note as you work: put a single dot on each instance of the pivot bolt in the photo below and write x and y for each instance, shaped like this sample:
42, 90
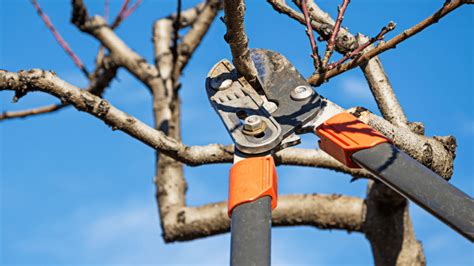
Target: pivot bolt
301, 93
220, 84
254, 125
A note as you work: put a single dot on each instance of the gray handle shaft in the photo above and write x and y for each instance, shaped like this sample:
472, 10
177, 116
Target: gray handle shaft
251, 233
421, 185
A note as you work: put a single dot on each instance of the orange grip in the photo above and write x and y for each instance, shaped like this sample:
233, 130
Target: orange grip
251, 179
344, 134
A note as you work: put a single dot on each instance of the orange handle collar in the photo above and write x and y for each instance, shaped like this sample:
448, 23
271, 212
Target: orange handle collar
251, 179
343, 134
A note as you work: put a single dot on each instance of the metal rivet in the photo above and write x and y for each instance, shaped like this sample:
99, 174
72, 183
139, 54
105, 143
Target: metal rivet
219, 84
301, 93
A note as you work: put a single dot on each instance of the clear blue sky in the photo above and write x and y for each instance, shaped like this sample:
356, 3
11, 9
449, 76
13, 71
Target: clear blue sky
75, 192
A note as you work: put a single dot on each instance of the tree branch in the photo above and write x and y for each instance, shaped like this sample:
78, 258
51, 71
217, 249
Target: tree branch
337, 26
119, 51
382, 90
320, 211
193, 38
188, 16
322, 23
389, 229
60, 39
433, 153
436, 155
318, 79
237, 39
99, 81
314, 46
39, 80
363, 46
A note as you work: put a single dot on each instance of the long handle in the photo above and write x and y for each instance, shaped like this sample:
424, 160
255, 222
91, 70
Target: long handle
252, 196
251, 233
419, 184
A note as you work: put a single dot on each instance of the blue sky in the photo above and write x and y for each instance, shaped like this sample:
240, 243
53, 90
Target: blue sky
75, 192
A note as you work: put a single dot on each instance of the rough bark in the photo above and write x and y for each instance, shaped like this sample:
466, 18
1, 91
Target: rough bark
237, 38
381, 89
389, 229
383, 216
320, 211
99, 80
433, 153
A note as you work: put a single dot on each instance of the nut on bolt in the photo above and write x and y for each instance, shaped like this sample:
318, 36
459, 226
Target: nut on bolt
254, 125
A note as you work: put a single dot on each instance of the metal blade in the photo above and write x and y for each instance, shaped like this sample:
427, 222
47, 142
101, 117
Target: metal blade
297, 103
235, 100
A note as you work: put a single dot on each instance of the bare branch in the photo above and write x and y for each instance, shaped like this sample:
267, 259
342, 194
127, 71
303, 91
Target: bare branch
188, 16
124, 12
59, 38
309, 31
389, 229
315, 158
33, 111
106, 10
39, 80
321, 23
318, 79
162, 30
363, 46
382, 91
320, 211
373, 71
195, 35
99, 81
119, 51
434, 154
337, 26
237, 39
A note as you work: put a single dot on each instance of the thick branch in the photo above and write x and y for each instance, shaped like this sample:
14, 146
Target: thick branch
389, 229
237, 38
432, 152
321, 211
39, 80
99, 81
382, 90
315, 158
188, 16
318, 79
119, 51
195, 35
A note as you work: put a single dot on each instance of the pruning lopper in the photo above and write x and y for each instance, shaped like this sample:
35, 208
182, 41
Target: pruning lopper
264, 120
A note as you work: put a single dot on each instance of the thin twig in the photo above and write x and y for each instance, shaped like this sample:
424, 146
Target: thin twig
312, 41
337, 26
119, 17
318, 78
106, 10
130, 10
59, 38
125, 12
391, 26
